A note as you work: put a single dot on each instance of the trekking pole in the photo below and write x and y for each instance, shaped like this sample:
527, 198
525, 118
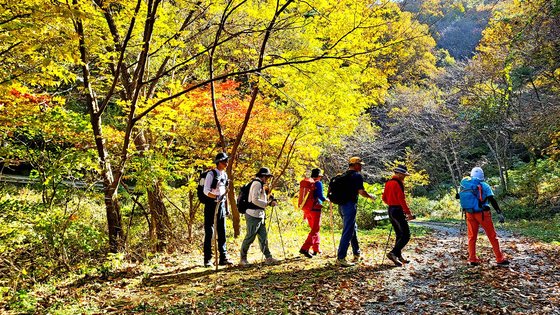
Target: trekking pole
218, 202
332, 227
462, 228
279, 231
387, 244
267, 230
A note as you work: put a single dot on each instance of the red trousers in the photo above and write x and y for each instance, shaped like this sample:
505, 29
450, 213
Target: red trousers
484, 219
313, 239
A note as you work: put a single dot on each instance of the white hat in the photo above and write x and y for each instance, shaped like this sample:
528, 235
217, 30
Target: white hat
478, 173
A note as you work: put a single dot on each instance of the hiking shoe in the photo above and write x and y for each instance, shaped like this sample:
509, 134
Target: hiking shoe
504, 262
305, 253
315, 253
474, 263
243, 262
270, 260
208, 263
402, 260
392, 257
357, 258
225, 262
344, 263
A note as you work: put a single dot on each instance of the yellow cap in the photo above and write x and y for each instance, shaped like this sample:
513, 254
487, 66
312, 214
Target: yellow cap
355, 160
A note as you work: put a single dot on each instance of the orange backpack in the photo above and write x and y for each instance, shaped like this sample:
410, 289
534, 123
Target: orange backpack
306, 198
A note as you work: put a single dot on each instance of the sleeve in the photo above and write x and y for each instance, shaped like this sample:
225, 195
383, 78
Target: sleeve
494, 204
319, 191
384, 194
255, 194
359, 181
208, 182
486, 190
404, 205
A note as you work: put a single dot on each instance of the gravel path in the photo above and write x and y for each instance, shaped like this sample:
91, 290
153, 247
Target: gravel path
439, 281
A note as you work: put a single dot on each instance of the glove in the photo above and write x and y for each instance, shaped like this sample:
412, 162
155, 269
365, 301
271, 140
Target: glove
501, 218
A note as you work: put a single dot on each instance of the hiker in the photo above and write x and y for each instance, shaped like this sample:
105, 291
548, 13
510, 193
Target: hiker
216, 207
478, 214
399, 213
255, 216
354, 185
311, 202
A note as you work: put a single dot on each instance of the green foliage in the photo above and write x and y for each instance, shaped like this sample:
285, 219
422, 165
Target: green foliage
534, 190
23, 302
547, 230
365, 215
37, 242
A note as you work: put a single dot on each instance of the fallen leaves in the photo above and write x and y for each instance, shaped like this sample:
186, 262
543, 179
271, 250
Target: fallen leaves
438, 281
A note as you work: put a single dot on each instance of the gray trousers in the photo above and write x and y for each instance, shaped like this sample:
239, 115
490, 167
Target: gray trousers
255, 227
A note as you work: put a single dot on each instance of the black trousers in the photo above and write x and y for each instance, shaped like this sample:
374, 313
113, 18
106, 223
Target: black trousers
209, 209
402, 230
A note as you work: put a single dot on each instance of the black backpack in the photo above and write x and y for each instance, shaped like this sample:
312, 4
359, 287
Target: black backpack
243, 198
200, 188
338, 188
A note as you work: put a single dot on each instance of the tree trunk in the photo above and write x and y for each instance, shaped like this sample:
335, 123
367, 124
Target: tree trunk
110, 185
160, 224
114, 220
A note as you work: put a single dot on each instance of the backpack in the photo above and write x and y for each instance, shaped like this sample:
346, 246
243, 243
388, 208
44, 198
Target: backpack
306, 198
200, 188
243, 198
470, 195
338, 188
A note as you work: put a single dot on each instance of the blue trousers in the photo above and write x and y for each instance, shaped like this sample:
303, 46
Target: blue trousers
349, 231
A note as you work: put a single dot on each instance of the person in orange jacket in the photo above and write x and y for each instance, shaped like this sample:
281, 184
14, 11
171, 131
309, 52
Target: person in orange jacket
475, 197
399, 213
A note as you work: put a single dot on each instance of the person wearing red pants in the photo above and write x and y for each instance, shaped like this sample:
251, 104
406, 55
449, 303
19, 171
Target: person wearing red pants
311, 199
475, 196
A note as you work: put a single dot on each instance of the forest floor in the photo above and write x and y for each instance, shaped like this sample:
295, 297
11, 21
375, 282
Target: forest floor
436, 281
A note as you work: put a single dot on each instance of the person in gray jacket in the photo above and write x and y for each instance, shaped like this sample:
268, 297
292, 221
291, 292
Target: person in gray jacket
255, 216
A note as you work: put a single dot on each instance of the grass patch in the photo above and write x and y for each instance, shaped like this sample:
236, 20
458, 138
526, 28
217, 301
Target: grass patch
544, 230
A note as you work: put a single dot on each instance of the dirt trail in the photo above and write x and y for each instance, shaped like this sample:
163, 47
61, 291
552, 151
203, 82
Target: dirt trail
439, 281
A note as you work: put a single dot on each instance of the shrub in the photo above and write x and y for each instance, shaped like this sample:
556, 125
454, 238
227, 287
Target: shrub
36, 240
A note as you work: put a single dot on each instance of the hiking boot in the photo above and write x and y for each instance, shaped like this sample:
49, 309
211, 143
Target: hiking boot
270, 260
392, 257
243, 262
402, 260
474, 263
504, 262
344, 263
357, 258
225, 262
318, 252
305, 253
208, 263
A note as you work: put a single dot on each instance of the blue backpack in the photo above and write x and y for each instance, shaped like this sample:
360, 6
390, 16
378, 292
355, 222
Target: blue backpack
470, 195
